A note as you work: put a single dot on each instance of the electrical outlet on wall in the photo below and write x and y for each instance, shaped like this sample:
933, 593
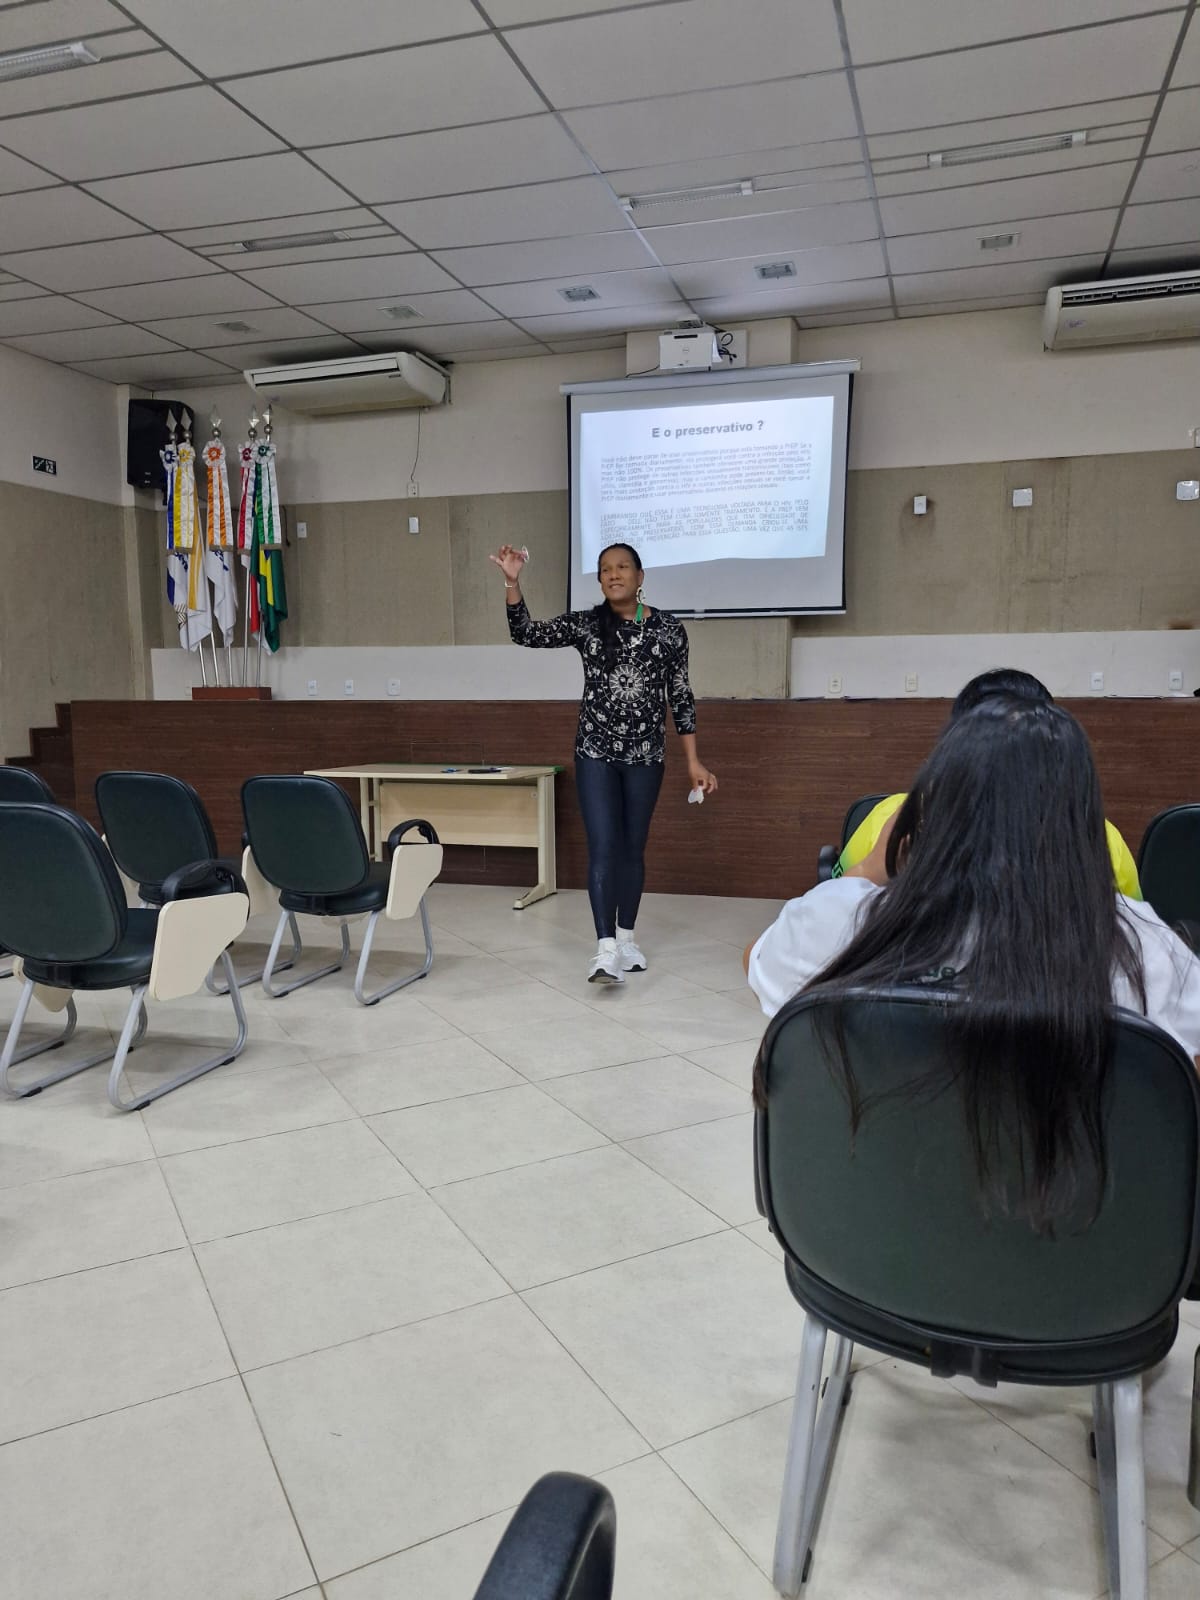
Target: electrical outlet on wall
393, 686
312, 688
414, 489
835, 684
1174, 681
910, 682
1097, 683
349, 689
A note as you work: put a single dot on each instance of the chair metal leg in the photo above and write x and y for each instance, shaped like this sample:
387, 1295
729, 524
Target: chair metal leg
791, 1556
11, 1055
1106, 1473
277, 991
213, 987
135, 1027
1133, 1559
1193, 1487
400, 983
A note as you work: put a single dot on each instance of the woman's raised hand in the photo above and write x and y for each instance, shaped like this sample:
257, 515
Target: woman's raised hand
510, 561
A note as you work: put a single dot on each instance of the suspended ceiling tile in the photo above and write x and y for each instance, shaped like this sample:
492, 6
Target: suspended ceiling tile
950, 308
835, 158
1083, 233
273, 227
865, 294
115, 74
717, 122
281, 352
831, 264
1136, 110
901, 177
179, 297
847, 318
1171, 177
571, 347
1123, 58
93, 344
881, 30
452, 339
416, 165
968, 283
1177, 123
987, 203
173, 129
157, 371
1167, 222
31, 27
16, 174
1163, 258
360, 279
668, 49
272, 322
222, 36
783, 232
46, 315
224, 191
785, 192
616, 319
1187, 68
364, 316
649, 286
504, 13
398, 91
385, 244
535, 211
547, 258
11, 289
508, 352
42, 217
145, 259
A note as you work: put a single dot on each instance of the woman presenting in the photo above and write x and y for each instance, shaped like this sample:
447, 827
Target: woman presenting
634, 660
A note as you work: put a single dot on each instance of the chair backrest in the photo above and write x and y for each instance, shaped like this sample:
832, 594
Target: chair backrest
153, 824
60, 896
305, 834
18, 783
893, 1217
1169, 864
858, 814
559, 1545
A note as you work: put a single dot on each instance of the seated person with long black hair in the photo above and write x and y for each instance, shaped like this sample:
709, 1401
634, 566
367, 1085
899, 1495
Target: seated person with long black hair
1022, 686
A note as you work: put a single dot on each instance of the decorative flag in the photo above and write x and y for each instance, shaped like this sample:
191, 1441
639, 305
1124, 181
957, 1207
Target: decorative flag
183, 524
272, 534
177, 573
218, 568
222, 534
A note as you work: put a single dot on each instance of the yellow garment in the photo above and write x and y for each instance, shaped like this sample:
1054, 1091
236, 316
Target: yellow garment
863, 840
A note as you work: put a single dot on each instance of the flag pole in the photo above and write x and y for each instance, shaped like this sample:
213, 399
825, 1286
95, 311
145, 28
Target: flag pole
247, 551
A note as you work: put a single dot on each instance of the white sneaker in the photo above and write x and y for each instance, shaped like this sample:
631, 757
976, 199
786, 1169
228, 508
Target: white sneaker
606, 964
631, 958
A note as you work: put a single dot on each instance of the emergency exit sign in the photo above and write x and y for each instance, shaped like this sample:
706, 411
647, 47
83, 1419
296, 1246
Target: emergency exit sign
45, 464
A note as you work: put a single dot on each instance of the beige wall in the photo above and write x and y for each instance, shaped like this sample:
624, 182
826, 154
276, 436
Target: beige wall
65, 628
50, 411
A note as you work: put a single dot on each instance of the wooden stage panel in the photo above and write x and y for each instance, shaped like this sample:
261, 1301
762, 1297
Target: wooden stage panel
787, 768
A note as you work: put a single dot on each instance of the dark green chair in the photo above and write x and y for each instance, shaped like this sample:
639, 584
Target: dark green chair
17, 783
63, 912
827, 856
559, 1545
308, 843
888, 1244
154, 824
1169, 869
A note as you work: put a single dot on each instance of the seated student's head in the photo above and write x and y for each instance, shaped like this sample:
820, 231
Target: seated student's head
1001, 873
1001, 680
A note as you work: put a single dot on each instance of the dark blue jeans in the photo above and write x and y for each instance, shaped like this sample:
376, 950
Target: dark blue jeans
617, 803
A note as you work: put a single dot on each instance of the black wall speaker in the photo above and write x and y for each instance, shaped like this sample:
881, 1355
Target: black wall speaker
147, 435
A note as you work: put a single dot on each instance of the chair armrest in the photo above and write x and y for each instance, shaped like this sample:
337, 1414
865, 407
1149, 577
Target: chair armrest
560, 1543
396, 838
202, 878
826, 861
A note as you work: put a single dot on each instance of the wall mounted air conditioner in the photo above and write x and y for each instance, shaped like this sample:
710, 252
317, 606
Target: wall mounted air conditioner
1123, 311
354, 383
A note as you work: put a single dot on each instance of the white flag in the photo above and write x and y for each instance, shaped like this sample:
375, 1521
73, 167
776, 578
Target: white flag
218, 564
196, 622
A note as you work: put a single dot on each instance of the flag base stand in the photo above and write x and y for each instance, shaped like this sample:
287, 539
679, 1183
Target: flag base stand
250, 693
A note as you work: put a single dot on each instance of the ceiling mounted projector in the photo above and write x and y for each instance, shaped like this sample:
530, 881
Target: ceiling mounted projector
691, 344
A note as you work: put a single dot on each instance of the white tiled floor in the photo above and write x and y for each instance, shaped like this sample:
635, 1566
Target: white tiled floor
311, 1326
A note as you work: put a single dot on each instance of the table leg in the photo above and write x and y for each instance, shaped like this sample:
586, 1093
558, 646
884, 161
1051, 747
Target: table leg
364, 815
547, 883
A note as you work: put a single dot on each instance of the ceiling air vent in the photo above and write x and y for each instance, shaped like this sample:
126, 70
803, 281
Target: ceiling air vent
770, 271
578, 293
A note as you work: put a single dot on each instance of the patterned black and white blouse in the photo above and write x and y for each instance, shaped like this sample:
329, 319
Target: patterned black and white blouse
622, 715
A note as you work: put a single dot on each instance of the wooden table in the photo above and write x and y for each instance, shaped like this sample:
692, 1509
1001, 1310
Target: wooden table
510, 807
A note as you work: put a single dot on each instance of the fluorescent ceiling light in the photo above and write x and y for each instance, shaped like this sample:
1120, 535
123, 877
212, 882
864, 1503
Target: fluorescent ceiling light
1044, 144
290, 241
740, 190
54, 58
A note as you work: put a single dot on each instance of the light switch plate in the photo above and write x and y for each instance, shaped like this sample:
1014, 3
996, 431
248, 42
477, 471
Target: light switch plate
1097, 683
312, 688
393, 686
414, 524
920, 505
1189, 489
349, 686
1022, 497
302, 530
1174, 681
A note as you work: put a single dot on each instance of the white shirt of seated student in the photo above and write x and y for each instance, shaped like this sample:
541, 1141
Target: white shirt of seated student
811, 930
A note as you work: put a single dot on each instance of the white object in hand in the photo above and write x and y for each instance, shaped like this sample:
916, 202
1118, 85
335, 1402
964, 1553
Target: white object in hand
696, 798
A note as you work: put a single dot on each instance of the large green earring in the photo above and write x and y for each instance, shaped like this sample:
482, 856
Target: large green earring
641, 595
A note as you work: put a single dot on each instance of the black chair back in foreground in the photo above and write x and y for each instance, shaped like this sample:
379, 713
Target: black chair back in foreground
154, 824
889, 1243
560, 1544
63, 912
308, 843
858, 813
18, 783
1169, 869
